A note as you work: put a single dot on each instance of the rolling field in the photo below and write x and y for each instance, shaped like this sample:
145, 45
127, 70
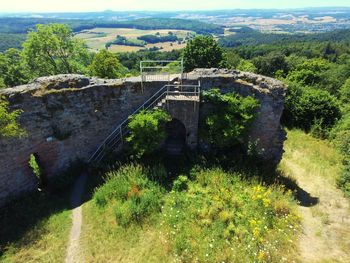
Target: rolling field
97, 38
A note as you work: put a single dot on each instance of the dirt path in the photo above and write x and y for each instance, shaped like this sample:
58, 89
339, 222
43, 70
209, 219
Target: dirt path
73, 252
325, 217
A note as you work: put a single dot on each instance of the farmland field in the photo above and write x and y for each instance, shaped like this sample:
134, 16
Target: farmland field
97, 38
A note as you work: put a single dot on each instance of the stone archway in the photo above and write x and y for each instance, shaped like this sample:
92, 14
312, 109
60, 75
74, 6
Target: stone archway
176, 137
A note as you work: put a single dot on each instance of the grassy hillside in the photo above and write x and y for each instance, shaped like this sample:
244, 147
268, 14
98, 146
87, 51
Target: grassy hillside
207, 216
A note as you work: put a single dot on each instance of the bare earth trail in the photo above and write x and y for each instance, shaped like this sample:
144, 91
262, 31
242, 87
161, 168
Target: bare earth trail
325, 220
73, 250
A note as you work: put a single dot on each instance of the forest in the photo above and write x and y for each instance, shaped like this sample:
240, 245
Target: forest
13, 29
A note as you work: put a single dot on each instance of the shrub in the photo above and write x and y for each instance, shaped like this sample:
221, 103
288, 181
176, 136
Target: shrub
181, 183
231, 117
343, 181
340, 135
305, 107
134, 196
147, 131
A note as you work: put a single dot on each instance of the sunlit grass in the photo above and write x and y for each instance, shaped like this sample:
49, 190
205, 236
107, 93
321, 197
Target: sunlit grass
316, 157
212, 217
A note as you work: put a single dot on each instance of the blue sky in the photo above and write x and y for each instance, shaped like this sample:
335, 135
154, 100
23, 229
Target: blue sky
156, 5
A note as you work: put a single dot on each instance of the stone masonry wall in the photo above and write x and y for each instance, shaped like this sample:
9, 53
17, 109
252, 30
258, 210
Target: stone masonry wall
68, 116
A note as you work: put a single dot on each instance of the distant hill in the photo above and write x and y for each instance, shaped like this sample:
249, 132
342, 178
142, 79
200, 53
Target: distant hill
19, 25
247, 36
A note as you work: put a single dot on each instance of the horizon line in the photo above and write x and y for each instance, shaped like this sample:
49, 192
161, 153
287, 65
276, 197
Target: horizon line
169, 11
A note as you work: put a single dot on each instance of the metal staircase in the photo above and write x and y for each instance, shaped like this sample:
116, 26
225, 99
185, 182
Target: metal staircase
157, 101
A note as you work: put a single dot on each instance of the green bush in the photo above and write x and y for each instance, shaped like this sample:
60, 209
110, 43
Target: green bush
147, 131
305, 107
343, 181
341, 135
134, 196
181, 183
230, 119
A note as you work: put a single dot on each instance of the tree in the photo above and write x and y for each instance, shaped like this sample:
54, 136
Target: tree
310, 72
51, 49
345, 93
13, 70
2, 83
305, 107
147, 131
246, 65
203, 52
270, 64
106, 65
8, 122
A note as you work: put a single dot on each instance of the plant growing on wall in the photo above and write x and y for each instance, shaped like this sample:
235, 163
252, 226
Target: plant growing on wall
147, 131
37, 171
8, 122
231, 116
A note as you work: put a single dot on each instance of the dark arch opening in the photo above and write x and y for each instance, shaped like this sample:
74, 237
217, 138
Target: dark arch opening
176, 139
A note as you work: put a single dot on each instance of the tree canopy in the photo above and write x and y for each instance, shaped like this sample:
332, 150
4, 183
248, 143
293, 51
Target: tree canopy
51, 49
8, 122
203, 52
106, 65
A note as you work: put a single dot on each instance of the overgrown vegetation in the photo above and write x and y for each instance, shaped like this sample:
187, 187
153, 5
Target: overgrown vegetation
208, 216
36, 169
147, 131
229, 119
9, 126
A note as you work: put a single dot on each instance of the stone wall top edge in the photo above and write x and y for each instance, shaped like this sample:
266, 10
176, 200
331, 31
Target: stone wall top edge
66, 82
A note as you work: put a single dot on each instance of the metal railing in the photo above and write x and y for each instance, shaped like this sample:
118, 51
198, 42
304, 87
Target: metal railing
116, 137
160, 70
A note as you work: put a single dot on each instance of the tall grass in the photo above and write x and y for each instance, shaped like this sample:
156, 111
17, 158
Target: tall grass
208, 216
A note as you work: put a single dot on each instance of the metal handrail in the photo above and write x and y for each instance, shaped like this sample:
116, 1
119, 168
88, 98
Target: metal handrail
116, 136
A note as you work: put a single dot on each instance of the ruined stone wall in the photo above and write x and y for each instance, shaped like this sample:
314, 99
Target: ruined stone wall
266, 130
68, 116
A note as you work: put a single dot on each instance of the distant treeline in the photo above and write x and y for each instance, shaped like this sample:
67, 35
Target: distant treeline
247, 36
120, 40
23, 25
11, 41
152, 39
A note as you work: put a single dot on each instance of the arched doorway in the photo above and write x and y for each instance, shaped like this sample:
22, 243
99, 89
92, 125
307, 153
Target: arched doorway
176, 139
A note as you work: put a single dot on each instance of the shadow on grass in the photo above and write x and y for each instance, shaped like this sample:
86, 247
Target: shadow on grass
28, 212
303, 197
